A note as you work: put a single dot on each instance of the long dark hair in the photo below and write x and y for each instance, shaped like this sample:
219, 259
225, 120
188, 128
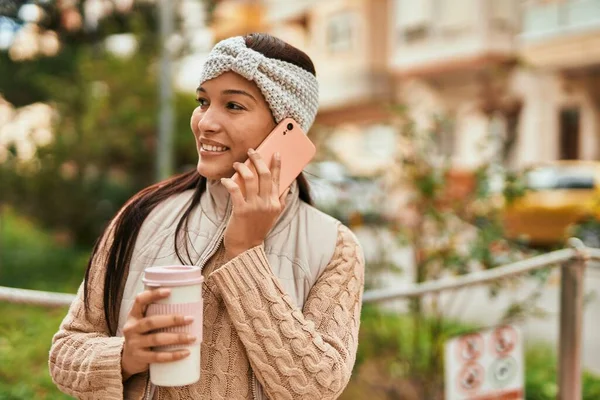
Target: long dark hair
124, 230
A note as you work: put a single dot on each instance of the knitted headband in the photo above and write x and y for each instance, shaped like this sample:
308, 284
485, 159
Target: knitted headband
289, 90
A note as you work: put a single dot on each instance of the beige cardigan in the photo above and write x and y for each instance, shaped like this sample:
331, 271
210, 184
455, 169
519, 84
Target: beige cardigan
251, 326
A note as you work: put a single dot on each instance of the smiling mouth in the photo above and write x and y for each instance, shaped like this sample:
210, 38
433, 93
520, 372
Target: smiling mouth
213, 149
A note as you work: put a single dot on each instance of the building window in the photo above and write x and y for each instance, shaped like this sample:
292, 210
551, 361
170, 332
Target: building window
569, 133
341, 32
512, 116
457, 16
444, 135
414, 19
415, 34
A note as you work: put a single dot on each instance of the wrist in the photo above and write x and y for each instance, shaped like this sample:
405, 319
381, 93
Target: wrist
125, 374
232, 251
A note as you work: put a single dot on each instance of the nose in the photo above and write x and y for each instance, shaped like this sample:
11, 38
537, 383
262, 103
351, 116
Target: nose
208, 121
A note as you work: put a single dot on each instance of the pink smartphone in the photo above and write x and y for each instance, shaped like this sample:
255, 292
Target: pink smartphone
293, 145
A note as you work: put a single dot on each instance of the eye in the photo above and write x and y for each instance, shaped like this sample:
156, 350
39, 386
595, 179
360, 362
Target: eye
235, 106
203, 102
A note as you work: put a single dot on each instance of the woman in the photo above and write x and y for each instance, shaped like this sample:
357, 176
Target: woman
283, 281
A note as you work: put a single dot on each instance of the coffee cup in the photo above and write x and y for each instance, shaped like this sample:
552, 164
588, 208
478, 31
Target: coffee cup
185, 283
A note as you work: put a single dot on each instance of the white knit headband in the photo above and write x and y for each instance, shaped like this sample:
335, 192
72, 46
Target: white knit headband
289, 90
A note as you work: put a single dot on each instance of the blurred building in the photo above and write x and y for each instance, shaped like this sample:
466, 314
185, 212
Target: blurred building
524, 73
454, 60
348, 42
560, 42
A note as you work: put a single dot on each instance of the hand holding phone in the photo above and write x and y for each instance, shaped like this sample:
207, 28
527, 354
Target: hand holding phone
295, 148
255, 213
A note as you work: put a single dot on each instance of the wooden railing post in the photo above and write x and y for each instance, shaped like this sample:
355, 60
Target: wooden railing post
571, 324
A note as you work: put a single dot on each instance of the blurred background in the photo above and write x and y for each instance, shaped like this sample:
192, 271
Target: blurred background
453, 137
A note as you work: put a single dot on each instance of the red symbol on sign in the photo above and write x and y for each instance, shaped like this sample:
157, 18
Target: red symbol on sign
470, 347
515, 394
504, 339
471, 377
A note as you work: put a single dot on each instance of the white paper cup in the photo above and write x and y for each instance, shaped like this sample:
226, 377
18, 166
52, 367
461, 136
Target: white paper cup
185, 299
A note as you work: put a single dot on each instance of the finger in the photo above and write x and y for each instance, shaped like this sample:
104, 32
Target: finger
237, 179
276, 172
143, 299
155, 322
250, 181
152, 357
265, 183
283, 198
165, 339
237, 198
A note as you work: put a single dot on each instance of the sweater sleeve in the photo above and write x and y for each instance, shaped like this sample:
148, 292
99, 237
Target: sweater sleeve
84, 360
297, 354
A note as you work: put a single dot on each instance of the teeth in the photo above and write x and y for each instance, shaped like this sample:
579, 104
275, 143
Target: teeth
209, 147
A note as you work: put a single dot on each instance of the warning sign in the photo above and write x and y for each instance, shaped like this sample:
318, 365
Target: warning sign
486, 365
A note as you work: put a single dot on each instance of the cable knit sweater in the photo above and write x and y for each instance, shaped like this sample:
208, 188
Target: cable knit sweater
250, 325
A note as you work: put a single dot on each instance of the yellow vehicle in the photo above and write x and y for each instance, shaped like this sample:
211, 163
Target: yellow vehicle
562, 200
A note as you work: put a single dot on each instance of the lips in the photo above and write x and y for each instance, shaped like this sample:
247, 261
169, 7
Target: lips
213, 148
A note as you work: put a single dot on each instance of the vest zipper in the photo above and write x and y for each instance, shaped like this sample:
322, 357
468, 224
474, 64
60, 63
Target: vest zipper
208, 253
213, 247
220, 236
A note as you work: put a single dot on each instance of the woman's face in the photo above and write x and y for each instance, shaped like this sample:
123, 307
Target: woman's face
232, 117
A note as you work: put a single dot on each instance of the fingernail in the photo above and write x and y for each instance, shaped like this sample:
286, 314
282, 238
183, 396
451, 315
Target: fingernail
277, 156
188, 318
251, 151
191, 338
164, 292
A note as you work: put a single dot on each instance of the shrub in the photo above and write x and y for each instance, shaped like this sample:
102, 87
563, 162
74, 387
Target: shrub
34, 259
386, 366
25, 336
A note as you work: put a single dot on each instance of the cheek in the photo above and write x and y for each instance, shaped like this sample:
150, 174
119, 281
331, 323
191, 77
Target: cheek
244, 134
260, 129
194, 123
245, 142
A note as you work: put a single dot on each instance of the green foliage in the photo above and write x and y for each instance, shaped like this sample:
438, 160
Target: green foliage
384, 333
385, 353
34, 259
25, 336
515, 187
540, 379
385, 340
455, 227
24, 82
444, 211
105, 135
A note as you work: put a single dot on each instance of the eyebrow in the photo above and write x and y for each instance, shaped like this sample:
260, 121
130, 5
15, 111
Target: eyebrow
230, 92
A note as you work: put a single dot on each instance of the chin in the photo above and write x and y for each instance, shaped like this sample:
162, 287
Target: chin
212, 173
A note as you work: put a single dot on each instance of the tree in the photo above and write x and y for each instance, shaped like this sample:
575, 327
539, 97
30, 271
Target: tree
453, 223
104, 135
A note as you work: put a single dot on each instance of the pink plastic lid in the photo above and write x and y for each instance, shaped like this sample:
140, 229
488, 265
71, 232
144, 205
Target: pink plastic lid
172, 275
